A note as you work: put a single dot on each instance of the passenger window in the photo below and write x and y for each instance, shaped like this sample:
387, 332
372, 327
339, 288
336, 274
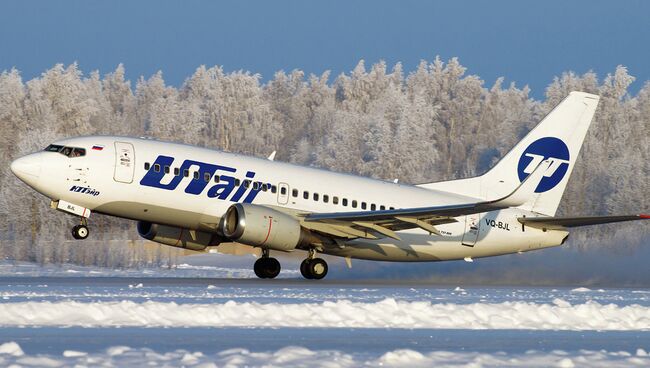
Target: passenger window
156, 167
305, 194
363, 205
237, 182
283, 191
373, 207
177, 171
146, 166
294, 192
326, 198
206, 177
354, 204
256, 185
382, 207
315, 196
196, 175
274, 189
186, 173
166, 169
345, 202
335, 200
264, 187
247, 183
216, 178
392, 208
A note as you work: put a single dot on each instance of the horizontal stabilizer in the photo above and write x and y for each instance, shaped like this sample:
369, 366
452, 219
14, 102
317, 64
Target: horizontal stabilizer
565, 222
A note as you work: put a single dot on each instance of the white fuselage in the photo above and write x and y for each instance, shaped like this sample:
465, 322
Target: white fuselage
114, 181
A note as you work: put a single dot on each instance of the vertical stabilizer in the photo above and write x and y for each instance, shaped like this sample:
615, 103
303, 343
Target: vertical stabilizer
557, 138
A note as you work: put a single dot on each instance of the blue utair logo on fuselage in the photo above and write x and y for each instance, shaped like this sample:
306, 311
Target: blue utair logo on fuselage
222, 190
545, 148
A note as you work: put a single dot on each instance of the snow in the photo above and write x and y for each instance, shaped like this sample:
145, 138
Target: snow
387, 313
11, 348
581, 290
296, 356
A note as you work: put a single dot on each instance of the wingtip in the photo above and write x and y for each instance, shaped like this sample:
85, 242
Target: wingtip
643, 216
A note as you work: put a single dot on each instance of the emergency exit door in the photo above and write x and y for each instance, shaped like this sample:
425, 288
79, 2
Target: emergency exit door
124, 162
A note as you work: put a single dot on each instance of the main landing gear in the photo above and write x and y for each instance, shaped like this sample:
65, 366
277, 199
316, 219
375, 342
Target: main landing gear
266, 267
313, 268
81, 231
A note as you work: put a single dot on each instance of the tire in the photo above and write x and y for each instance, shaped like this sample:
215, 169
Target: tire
80, 232
272, 268
267, 268
317, 268
259, 268
304, 269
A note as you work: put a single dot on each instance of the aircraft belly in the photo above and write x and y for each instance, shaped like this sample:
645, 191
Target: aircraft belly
157, 214
420, 246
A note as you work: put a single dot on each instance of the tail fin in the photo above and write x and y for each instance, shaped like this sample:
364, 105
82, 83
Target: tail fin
558, 138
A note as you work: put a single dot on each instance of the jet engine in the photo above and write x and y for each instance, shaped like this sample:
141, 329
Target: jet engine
261, 226
178, 237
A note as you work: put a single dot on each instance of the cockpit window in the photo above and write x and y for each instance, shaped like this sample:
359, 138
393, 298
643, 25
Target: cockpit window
78, 152
53, 148
66, 151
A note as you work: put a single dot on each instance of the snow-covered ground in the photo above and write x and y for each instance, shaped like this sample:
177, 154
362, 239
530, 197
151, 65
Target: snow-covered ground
67, 316
388, 313
122, 356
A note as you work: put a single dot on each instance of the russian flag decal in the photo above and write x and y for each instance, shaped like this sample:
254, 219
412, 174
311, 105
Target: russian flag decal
98, 147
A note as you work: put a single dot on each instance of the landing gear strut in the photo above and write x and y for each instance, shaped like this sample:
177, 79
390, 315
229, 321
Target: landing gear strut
81, 231
266, 267
313, 268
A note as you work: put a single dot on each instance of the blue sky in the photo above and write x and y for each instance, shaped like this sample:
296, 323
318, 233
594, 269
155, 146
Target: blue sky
524, 41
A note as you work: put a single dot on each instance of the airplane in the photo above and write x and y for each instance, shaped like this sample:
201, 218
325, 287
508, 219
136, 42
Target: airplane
198, 198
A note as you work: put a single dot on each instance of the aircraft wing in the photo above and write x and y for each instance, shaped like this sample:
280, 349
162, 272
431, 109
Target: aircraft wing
375, 224
566, 222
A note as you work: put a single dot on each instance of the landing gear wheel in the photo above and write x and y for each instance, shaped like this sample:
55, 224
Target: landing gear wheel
267, 268
80, 232
313, 269
317, 268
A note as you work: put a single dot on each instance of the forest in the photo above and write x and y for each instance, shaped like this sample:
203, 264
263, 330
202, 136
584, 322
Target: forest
434, 123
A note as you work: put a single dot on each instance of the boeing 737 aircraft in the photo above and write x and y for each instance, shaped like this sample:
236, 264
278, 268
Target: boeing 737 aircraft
197, 198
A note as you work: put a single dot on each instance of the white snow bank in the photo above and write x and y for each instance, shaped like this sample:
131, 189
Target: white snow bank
389, 313
292, 356
11, 348
581, 290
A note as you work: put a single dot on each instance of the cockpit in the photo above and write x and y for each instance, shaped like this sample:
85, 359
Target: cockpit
66, 151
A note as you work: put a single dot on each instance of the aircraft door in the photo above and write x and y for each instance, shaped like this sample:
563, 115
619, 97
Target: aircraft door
472, 227
283, 193
124, 162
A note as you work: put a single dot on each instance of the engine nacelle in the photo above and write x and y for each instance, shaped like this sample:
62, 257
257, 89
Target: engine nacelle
178, 237
264, 227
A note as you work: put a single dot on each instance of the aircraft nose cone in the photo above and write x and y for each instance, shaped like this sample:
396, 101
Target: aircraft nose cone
27, 168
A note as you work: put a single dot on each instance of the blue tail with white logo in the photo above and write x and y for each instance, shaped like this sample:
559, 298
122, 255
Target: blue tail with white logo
557, 138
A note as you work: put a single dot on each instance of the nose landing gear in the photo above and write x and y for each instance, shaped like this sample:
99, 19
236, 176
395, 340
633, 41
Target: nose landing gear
267, 267
81, 231
313, 268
